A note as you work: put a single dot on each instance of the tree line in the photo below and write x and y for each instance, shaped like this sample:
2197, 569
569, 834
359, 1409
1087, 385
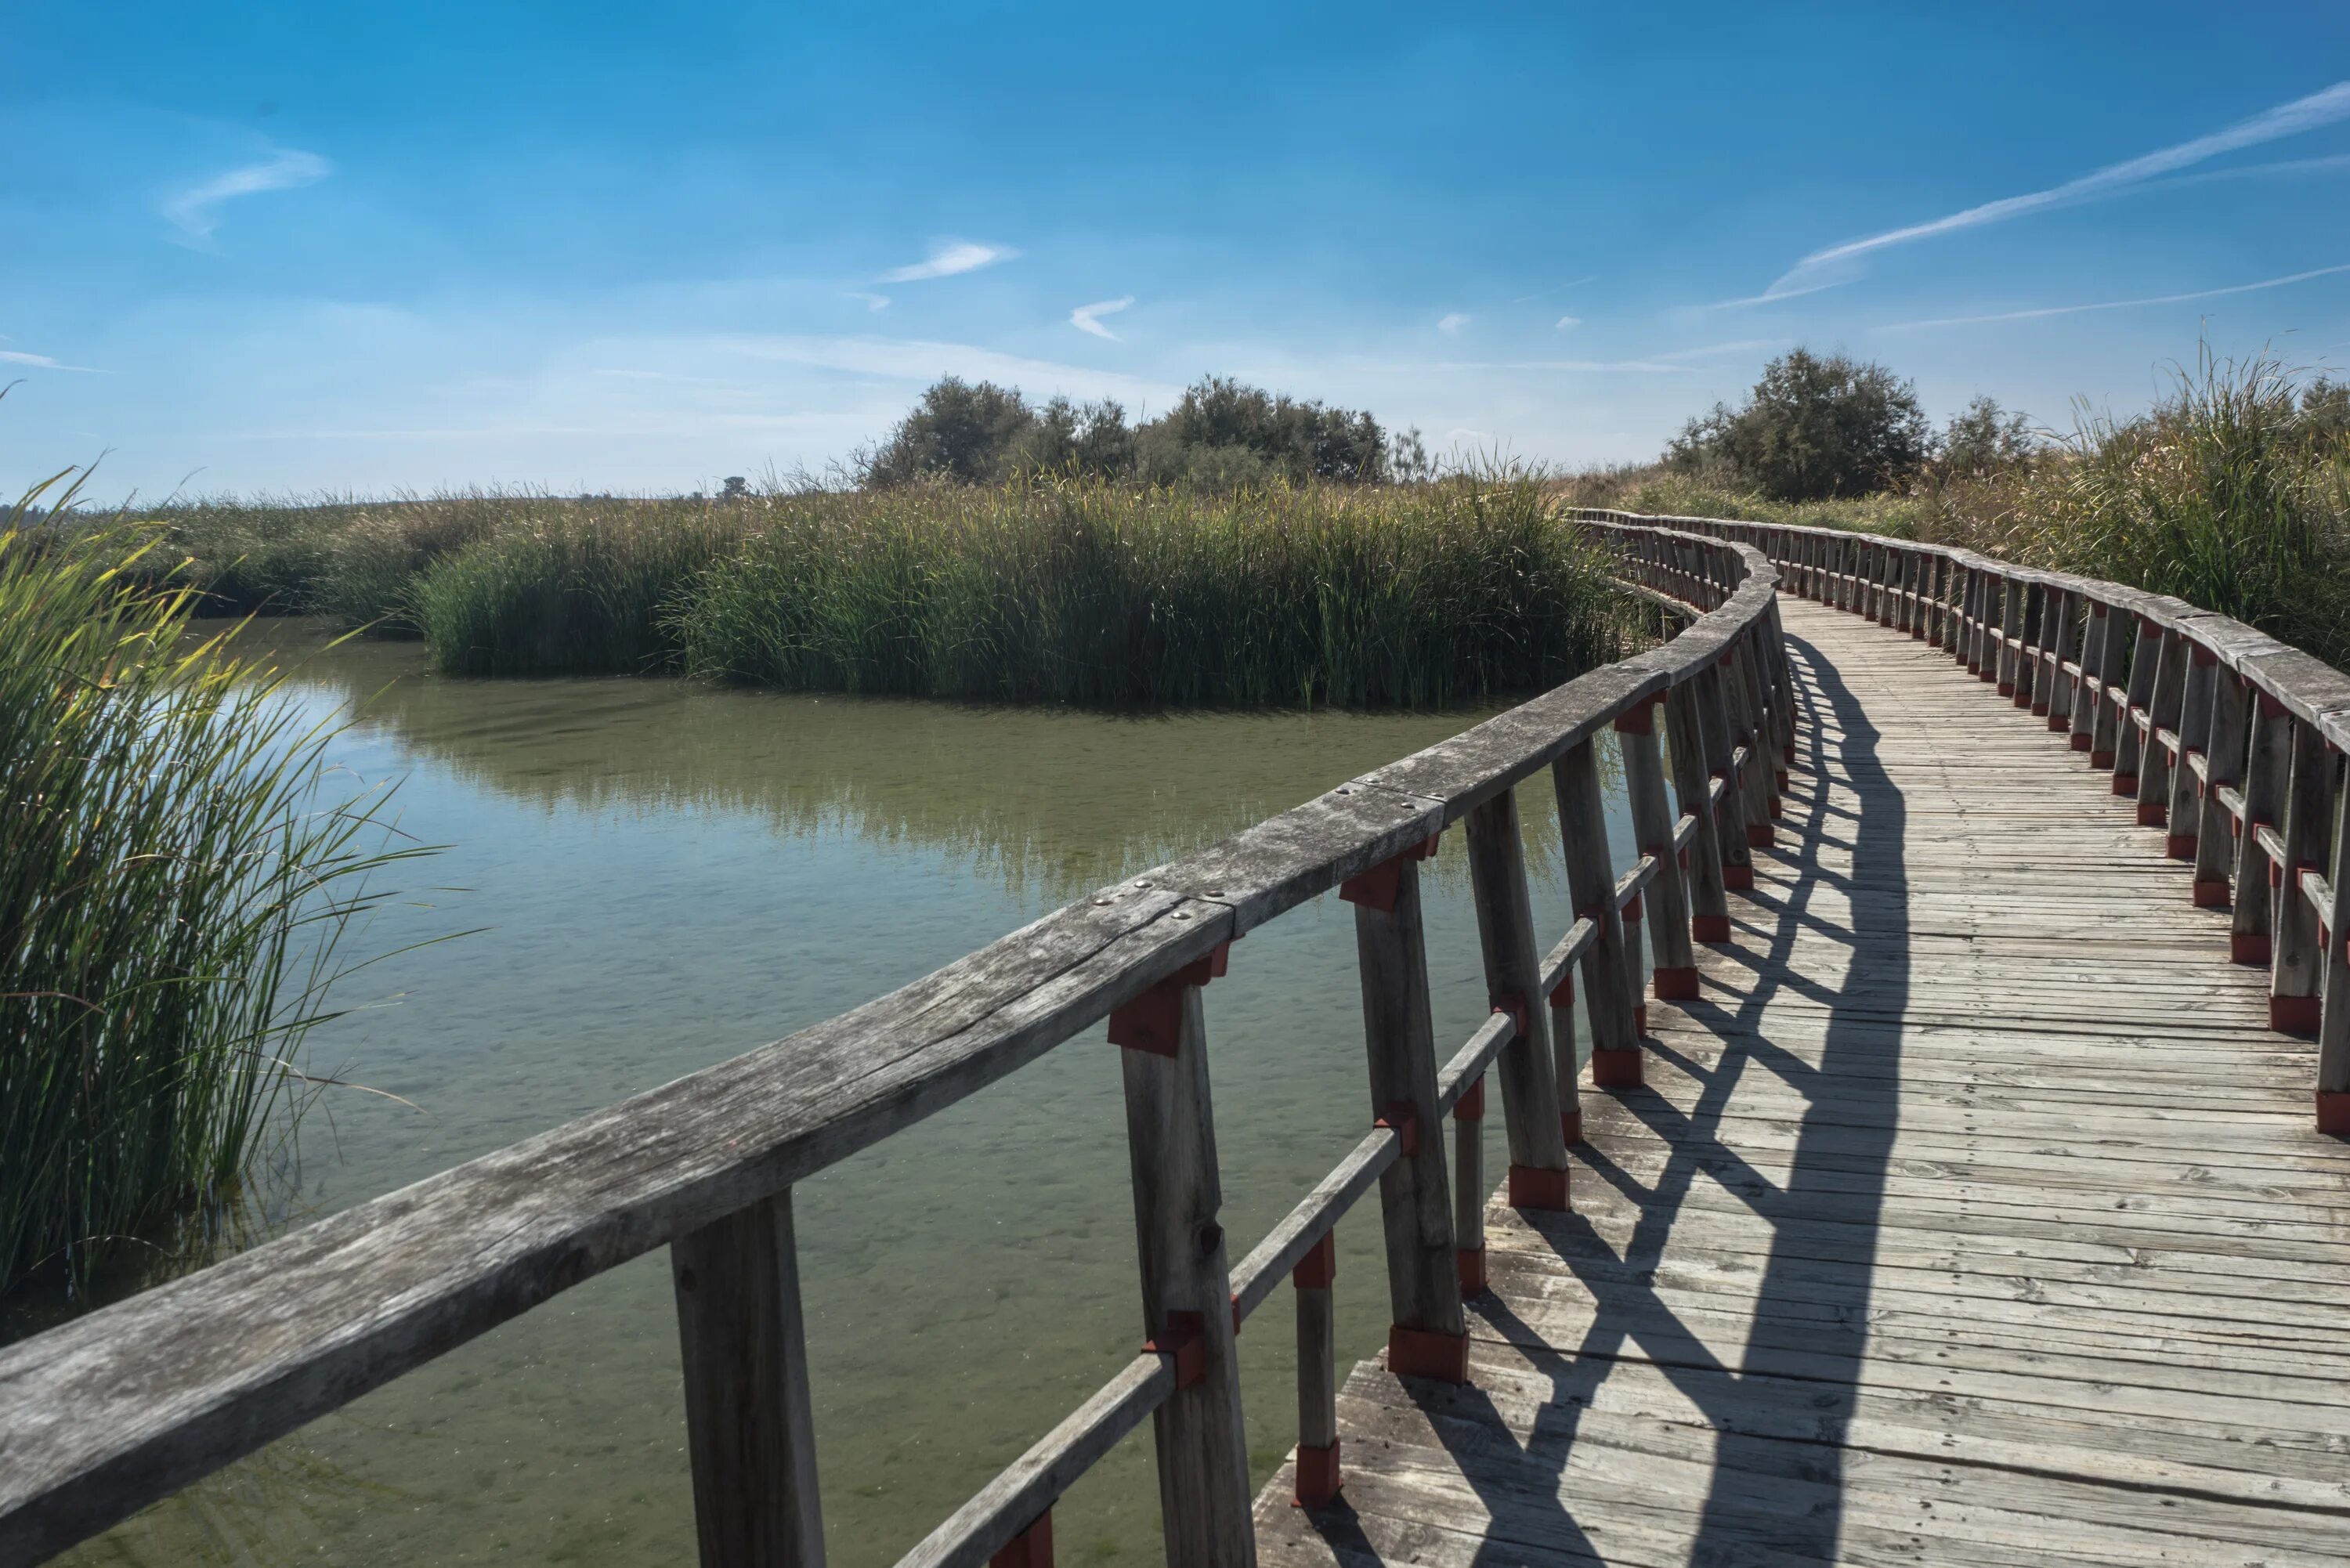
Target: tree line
1221, 435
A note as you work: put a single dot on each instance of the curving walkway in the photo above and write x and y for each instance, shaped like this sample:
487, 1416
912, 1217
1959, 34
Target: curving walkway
1971, 1215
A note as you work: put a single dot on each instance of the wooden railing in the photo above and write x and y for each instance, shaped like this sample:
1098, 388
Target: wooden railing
2227, 739
106, 1414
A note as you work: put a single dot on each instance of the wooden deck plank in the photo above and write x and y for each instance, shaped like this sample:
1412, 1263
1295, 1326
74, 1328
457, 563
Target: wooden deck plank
1970, 1213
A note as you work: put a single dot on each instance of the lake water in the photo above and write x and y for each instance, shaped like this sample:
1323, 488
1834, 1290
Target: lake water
668, 875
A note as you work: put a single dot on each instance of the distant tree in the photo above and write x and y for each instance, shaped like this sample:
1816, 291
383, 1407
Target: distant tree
1286, 436
1985, 438
737, 487
1088, 439
960, 430
2325, 409
1812, 427
1221, 435
1408, 459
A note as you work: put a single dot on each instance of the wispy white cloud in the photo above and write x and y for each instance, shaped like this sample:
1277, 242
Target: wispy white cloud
2117, 304
1771, 295
42, 362
947, 259
1087, 317
873, 302
194, 211
2319, 109
1451, 325
1568, 323
1736, 346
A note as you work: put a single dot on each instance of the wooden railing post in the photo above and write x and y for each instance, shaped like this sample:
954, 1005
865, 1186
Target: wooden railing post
2223, 764
1469, 1186
2297, 961
1714, 708
1204, 1496
2195, 713
1429, 1334
1527, 1070
750, 1428
1749, 725
2333, 1022
2154, 761
2030, 618
1685, 729
1318, 1476
2137, 701
2052, 697
1674, 976
2095, 714
2013, 595
1609, 994
2268, 769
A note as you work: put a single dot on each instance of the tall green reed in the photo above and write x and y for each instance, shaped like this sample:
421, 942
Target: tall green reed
175, 879
1090, 593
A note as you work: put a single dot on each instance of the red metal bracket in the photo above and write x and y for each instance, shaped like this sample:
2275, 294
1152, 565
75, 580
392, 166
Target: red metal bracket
2333, 1112
1632, 911
1032, 1548
1317, 1475
1376, 887
1676, 984
1471, 1106
1404, 1122
1541, 1190
1515, 1006
1151, 1020
2211, 893
1616, 1069
2293, 1015
1562, 993
1639, 719
1710, 928
1570, 1125
1424, 1353
1470, 1262
2081, 738
1318, 1267
1186, 1339
2249, 948
2203, 656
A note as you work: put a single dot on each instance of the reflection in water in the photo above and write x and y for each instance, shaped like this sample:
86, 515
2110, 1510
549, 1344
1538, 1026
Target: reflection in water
671, 875
1042, 800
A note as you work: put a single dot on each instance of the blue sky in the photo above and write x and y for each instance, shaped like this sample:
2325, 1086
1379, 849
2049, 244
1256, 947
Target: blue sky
356, 248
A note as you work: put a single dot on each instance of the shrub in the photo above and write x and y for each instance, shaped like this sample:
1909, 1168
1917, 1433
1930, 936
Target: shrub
1813, 428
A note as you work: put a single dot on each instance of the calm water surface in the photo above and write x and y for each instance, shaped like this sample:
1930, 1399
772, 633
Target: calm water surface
669, 876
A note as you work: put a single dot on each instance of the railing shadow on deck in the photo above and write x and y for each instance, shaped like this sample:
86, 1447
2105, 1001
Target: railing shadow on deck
1798, 1377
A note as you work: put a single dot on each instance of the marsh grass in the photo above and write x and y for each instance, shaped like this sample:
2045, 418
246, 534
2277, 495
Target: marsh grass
1052, 590
1115, 596
176, 880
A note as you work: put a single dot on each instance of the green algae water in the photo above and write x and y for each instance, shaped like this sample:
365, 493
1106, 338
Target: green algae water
666, 875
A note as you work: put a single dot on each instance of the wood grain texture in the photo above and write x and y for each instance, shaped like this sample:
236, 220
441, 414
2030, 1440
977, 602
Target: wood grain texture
1971, 1214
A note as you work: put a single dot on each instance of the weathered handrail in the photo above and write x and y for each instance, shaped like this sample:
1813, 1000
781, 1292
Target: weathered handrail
2229, 740
106, 1414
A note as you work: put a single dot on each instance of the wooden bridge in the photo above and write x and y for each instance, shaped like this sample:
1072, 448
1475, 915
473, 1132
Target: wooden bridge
1955, 1199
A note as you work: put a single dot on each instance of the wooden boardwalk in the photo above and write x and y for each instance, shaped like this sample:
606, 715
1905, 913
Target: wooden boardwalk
1971, 1215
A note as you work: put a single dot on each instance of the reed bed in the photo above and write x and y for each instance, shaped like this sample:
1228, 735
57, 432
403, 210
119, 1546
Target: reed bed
1093, 594
1050, 590
175, 883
